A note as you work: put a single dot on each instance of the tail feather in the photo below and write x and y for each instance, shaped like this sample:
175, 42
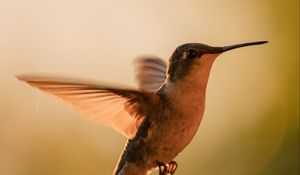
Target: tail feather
125, 167
121, 161
132, 169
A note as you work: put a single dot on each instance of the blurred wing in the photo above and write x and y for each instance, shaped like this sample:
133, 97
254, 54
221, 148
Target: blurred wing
150, 73
121, 109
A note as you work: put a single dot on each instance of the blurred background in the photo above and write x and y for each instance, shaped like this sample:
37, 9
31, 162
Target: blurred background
251, 122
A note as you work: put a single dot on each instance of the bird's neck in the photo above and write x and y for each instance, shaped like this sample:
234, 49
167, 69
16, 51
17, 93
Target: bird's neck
190, 90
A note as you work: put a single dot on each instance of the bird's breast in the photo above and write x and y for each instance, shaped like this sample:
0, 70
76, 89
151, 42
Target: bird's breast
178, 127
186, 122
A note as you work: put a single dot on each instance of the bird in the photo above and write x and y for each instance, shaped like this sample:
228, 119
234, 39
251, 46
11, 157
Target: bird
159, 118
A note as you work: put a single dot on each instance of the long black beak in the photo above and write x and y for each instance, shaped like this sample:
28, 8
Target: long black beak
235, 46
227, 48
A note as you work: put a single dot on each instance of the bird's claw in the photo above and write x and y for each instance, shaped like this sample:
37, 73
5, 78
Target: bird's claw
172, 167
167, 169
162, 167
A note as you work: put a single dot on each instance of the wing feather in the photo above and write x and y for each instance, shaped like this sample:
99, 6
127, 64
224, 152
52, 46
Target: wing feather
150, 73
120, 108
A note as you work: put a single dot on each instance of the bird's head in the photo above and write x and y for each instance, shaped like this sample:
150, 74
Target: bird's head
191, 56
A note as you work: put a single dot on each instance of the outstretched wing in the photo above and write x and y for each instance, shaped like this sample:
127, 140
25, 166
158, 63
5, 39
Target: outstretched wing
150, 73
120, 108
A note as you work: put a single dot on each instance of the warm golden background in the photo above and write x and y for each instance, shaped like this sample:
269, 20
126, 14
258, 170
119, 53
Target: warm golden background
251, 120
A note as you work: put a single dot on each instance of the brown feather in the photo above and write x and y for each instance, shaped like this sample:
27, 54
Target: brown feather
120, 108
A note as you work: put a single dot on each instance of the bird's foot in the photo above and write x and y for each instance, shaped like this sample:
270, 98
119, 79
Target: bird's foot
167, 169
162, 167
172, 167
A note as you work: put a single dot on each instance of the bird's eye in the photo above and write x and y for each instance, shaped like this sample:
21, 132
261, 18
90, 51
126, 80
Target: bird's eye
191, 54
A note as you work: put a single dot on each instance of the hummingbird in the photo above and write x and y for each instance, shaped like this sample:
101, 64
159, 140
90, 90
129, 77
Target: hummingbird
159, 118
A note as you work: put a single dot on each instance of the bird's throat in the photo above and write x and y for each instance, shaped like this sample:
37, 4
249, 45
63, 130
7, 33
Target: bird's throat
191, 89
